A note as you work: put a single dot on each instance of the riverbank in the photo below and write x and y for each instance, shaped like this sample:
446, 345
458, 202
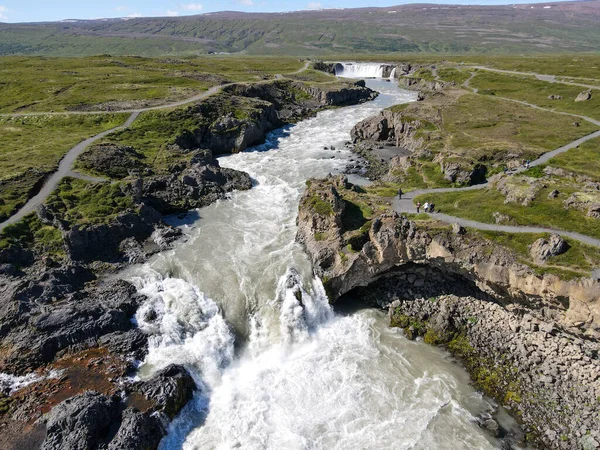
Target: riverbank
528, 340
66, 328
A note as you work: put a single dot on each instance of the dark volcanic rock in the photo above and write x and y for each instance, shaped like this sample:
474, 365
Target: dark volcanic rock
36, 333
93, 421
114, 161
196, 186
138, 431
101, 242
170, 390
80, 422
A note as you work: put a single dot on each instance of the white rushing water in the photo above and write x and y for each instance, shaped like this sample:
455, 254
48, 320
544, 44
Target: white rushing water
277, 368
359, 70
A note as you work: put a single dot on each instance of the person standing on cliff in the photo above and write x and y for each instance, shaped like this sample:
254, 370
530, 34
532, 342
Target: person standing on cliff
400, 193
418, 207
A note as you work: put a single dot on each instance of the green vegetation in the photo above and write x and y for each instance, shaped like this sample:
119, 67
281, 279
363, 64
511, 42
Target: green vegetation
32, 146
32, 233
485, 128
82, 203
95, 83
480, 205
448, 30
154, 131
583, 160
534, 91
577, 261
320, 206
41, 141
449, 74
313, 76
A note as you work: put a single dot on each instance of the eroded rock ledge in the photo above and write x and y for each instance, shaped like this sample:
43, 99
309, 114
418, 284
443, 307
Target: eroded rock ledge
529, 341
63, 322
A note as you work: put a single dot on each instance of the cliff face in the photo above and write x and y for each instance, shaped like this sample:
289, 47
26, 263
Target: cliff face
529, 341
389, 126
392, 241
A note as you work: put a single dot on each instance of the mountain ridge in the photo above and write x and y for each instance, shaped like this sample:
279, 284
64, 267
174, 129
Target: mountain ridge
420, 27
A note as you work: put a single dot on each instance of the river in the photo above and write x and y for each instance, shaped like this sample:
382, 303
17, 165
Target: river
275, 372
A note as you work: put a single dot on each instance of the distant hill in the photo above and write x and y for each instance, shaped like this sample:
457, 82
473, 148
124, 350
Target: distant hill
551, 28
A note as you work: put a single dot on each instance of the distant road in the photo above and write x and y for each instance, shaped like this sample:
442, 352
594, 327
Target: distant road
213, 90
539, 76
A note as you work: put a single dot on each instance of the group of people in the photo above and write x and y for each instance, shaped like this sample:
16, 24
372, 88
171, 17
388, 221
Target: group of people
427, 207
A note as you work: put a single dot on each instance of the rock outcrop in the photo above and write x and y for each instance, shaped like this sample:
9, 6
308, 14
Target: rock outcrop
584, 96
391, 127
528, 340
543, 249
89, 420
392, 240
533, 368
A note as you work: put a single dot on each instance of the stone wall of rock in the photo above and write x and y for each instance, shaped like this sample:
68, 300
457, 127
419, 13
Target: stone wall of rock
547, 378
528, 340
390, 127
393, 240
338, 95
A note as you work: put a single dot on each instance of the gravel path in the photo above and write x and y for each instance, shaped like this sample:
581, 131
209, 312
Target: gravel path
406, 203
65, 168
539, 76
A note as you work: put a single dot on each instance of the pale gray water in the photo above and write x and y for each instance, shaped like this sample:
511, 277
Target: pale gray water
301, 376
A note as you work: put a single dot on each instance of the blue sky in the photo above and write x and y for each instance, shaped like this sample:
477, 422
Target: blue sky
47, 10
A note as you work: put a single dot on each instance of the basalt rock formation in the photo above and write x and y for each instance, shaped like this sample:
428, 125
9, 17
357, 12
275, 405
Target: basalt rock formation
394, 128
536, 335
242, 115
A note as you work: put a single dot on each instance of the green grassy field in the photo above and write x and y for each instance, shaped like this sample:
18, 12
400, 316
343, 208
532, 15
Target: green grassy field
482, 127
470, 129
84, 203
32, 146
32, 84
577, 261
533, 91
583, 160
480, 205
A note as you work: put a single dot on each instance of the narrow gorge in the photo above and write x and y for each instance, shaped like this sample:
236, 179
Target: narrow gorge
240, 294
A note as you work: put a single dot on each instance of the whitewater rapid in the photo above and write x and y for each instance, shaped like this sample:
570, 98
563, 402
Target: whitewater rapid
277, 368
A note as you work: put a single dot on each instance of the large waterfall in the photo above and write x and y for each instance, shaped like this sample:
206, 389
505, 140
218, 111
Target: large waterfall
360, 70
277, 367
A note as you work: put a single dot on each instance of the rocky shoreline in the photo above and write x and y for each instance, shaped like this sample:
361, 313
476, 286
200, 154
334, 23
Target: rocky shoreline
67, 336
530, 341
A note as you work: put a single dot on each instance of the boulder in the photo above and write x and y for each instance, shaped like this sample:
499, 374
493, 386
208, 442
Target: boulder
138, 431
544, 249
169, 390
80, 422
583, 96
554, 97
458, 229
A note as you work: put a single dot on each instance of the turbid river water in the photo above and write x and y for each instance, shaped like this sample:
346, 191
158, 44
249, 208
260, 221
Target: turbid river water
274, 372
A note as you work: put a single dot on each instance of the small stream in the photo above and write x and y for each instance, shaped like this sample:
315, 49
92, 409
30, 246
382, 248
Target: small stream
275, 372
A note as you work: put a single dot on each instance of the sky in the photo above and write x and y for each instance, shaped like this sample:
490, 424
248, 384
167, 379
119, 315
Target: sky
48, 10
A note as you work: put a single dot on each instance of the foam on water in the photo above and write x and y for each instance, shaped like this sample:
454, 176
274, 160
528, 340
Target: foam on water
359, 70
300, 376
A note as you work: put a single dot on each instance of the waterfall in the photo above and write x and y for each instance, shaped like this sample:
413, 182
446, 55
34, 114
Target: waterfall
277, 368
393, 74
359, 70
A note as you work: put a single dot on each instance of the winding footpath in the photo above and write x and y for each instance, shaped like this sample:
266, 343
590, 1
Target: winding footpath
539, 76
65, 167
407, 203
